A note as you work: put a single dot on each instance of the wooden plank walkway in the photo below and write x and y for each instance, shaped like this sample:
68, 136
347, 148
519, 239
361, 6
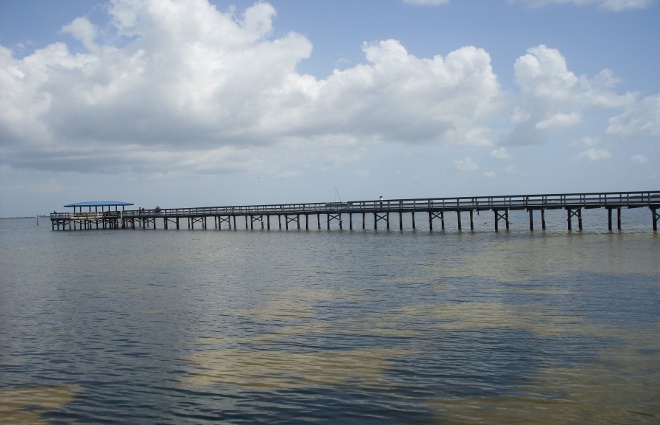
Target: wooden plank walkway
291, 215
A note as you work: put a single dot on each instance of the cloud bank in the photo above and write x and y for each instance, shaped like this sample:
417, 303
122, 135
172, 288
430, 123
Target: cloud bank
182, 87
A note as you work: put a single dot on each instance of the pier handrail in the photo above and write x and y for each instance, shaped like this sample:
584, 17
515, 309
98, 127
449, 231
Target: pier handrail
489, 202
85, 215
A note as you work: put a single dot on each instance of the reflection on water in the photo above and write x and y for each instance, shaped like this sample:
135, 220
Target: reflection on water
339, 327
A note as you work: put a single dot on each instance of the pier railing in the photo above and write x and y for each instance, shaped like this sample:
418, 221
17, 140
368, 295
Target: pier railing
478, 203
85, 215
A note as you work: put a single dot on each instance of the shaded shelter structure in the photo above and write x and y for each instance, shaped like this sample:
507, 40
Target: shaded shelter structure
90, 215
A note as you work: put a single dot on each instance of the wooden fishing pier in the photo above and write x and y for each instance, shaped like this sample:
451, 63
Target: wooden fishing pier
387, 214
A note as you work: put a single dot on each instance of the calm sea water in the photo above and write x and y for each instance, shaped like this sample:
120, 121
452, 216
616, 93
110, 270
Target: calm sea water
240, 326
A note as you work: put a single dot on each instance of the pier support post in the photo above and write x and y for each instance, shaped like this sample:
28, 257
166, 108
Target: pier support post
441, 215
656, 217
412, 217
472, 220
574, 213
618, 218
501, 216
385, 216
543, 219
259, 218
458, 215
335, 217
531, 219
296, 218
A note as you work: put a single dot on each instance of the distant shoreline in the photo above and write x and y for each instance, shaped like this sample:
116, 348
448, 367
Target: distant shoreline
27, 216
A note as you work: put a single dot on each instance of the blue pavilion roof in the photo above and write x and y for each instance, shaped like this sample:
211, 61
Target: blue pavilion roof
98, 204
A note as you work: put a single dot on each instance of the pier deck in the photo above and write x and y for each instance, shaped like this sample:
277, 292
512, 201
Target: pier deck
382, 210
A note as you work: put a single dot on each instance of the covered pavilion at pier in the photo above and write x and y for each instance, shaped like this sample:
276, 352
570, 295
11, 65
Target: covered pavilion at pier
90, 215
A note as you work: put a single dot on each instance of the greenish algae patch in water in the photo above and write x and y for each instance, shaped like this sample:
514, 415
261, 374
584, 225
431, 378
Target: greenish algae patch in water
270, 369
618, 389
26, 405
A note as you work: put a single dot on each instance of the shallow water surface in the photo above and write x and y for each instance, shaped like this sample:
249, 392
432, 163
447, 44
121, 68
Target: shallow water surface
135, 326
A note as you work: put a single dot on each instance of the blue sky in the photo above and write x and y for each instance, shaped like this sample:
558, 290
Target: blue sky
199, 103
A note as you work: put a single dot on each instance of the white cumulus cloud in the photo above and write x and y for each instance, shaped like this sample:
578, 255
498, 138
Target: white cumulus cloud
466, 164
639, 159
185, 86
552, 96
500, 153
83, 30
560, 120
593, 155
173, 87
641, 119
